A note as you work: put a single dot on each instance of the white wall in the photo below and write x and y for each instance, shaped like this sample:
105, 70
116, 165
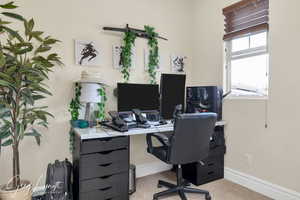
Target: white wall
77, 19
270, 154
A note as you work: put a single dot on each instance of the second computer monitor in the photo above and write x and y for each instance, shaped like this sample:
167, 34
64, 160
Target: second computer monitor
142, 96
172, 89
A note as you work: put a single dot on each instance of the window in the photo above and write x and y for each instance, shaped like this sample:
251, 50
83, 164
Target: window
247, 64
246, 47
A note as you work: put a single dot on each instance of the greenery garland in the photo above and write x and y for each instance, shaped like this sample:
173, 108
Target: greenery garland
75, 103
129, 40
74, 110
71, 140
101, 106
153, 53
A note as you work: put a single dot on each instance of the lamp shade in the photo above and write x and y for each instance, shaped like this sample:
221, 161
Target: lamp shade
89, 93
94, 77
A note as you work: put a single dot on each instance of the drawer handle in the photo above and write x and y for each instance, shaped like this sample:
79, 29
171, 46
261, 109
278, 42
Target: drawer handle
105, 152
106, 177
104, 189
105, 165
210, 173
211, 164
106, 140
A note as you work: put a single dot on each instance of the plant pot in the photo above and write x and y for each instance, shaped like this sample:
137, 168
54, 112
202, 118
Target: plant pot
24, 193
79, 124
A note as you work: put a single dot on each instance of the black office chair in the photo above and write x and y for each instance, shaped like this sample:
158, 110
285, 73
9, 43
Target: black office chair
189, 143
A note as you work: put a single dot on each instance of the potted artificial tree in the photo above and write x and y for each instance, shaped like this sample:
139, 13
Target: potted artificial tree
24, 65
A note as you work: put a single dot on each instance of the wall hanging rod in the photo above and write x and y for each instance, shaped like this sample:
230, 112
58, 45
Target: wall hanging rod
139, 33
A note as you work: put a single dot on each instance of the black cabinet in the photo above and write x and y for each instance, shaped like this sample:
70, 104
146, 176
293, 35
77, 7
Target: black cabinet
101, 169
211, 168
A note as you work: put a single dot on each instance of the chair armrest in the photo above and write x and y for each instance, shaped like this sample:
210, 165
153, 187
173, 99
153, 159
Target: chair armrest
162, 138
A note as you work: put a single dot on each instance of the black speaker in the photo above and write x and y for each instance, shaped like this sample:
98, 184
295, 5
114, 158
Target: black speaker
204, 99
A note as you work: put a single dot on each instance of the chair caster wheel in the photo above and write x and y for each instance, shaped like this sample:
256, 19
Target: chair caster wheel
187, 184
158, 186
207, 197
155, 198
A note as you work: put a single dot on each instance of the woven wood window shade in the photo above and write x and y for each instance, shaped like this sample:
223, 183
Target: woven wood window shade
246, 16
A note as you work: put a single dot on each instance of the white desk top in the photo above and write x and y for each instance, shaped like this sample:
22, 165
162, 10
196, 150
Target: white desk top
103, 132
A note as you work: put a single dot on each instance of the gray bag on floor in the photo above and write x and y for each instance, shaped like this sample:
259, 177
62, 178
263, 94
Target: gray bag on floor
58, 181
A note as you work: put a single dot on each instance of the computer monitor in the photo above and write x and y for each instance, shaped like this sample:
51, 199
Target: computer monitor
142, 96
172, 90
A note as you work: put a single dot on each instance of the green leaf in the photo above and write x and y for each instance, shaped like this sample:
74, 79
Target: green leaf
50, 41
36, 35
13, 33
44, 124
4, 114
41, 89
22, 48
4, 128
5, 83
9, 5
13, 15
42, 49
11, 70
20, 128
6, 77
7, 143
2, 59
4, 22
4, 135
38, 140
28, 99
36, 135
30, 25
38, 97
33, 133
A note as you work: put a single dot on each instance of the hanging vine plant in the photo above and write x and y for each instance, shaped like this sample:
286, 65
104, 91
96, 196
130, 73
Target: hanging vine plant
129, 40
153, 53
101, 106
75, 103
74, 110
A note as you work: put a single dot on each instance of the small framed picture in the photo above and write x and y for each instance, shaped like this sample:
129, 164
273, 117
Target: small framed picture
87, 53
146, 60
117, 52
178, 63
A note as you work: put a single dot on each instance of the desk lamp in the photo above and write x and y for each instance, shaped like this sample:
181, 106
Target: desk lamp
89, 95
90, 85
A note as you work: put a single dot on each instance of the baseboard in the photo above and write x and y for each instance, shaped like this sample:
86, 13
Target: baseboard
268, 189
151, 168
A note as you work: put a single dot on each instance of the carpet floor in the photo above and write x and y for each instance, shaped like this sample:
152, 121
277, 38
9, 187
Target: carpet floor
219, 190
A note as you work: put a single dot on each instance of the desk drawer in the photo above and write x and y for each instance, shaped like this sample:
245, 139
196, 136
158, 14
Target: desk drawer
117, 180
199, 174
109, 193
104, 158
106, 169
105, 144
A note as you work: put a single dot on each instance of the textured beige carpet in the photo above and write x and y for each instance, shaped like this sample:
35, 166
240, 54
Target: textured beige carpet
220, 190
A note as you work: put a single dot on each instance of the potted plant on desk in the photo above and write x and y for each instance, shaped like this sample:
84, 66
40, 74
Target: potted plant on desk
24, 65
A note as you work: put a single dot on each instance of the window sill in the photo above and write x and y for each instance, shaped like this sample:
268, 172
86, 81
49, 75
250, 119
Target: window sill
246, 97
